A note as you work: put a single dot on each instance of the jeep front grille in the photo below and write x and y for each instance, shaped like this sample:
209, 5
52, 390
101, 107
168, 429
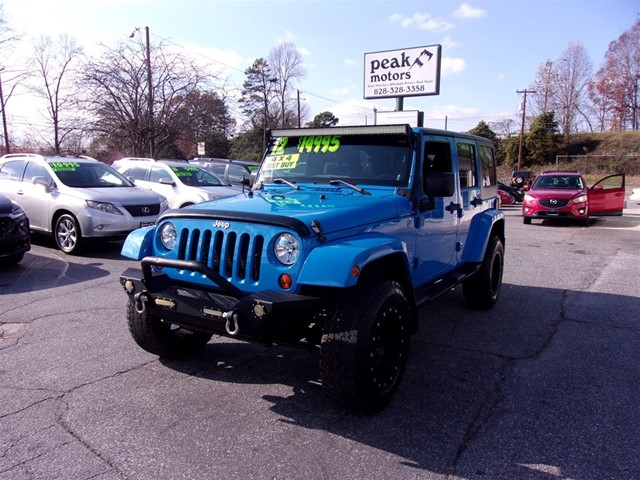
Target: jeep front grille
553, 203
234, 256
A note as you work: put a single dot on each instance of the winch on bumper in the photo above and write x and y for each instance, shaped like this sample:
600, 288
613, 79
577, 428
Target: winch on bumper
224, 311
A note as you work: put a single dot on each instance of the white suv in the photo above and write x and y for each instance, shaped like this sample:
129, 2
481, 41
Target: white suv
76, 198
181, 183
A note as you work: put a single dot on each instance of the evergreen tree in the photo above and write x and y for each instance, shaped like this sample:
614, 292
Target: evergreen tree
543, 140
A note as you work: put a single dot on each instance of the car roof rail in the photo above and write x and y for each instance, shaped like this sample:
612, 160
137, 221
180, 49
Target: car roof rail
138, 159
22, 155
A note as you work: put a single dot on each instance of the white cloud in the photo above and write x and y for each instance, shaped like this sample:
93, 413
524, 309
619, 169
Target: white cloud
424, 21
350, 62
449, 42
451, 65
341, 91
466, 11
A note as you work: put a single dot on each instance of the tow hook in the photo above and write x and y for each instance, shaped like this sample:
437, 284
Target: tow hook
231, 326
140, 300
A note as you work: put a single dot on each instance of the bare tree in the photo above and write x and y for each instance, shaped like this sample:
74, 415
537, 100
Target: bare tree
7, 35
117, 95
544, 88
54, 62
571, 73
286, 62
615, 86
7, 40
505, 128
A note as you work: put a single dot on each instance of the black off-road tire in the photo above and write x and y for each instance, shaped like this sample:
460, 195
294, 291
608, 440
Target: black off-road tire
481, 291
163, 338
365, 346
67, 234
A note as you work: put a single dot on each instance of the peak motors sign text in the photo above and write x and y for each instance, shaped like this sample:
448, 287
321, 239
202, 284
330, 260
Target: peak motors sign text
402, 73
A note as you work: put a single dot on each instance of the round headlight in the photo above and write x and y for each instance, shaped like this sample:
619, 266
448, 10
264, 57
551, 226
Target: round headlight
168, 235
286, 249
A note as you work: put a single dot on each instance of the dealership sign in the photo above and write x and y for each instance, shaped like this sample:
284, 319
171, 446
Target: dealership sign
402, 73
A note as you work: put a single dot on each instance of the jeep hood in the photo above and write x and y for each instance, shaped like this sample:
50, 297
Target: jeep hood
335, 209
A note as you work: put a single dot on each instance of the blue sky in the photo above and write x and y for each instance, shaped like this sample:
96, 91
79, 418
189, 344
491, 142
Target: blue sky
490, 48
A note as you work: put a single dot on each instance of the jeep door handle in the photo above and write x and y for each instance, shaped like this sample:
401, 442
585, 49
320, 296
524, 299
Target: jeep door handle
453, 207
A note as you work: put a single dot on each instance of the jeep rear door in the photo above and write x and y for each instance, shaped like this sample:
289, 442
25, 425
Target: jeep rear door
606, 196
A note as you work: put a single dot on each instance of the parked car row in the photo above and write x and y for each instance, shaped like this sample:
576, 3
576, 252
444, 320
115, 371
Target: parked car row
77, 198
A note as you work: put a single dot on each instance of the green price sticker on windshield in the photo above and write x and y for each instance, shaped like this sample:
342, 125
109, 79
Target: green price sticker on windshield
64, 166
319, 143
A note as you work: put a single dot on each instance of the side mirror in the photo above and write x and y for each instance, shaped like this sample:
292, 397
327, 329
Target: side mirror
167, 181
440, 184
46, 183
597, 188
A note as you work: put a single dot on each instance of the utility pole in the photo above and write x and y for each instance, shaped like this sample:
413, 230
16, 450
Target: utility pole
150, 100
524, 109
4, 117
298, 108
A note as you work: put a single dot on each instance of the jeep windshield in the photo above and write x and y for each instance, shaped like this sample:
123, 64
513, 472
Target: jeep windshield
375, 155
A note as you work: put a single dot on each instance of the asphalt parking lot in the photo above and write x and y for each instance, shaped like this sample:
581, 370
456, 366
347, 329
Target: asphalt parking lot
544, 386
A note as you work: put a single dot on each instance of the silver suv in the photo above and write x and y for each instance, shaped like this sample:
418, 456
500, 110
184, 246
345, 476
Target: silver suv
181, 183
76, 198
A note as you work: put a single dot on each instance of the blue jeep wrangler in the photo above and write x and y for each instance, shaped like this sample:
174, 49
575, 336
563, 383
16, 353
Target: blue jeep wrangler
345, 234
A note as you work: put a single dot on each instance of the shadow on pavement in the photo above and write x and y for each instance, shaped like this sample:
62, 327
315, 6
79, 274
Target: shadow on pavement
514, 395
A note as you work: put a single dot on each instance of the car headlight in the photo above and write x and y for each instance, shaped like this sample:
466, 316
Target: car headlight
168, 235
211, 196
529, 198
286, 249
580, 199
104, 207
164, 205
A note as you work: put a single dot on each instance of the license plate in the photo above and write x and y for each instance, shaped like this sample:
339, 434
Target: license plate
147, 224
553, 212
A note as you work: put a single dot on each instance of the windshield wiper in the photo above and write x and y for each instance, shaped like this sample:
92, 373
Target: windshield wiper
350, 185
282, 180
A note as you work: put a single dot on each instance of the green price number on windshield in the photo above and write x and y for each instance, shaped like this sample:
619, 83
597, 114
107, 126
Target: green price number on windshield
278, 147
319, 143
64, 166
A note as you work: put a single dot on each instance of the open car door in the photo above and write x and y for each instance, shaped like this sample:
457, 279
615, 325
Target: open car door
606, 196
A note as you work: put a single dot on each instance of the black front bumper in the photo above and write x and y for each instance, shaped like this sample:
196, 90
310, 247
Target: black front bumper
225, 310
